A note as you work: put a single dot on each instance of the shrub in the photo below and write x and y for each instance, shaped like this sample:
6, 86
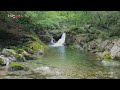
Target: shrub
106, 55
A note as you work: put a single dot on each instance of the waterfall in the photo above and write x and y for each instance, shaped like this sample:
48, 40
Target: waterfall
60, 42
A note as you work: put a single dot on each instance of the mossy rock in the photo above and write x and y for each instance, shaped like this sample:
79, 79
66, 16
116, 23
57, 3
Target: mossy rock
20, 57
36, 46
1, 61
33, 44
14, 66
106, 55
22, 51
8, 52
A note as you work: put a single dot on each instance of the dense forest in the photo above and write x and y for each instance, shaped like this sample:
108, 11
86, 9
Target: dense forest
24, 35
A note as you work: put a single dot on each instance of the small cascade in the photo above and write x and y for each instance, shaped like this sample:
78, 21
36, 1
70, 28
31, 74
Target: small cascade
60, 42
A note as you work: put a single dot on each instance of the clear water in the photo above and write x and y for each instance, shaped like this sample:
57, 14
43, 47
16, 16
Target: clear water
66, 63
79, 64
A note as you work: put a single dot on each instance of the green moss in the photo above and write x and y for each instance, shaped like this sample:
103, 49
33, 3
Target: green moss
14, 64
106, 55
1, 61
103, 35
13, 47
33, 43
17, 66
35, 46
20, 57
20, 50
99, 49
27, 48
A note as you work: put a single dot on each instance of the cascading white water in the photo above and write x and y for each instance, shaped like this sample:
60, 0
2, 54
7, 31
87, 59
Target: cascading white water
60, 42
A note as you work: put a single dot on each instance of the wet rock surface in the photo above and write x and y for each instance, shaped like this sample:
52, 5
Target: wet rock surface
100, 46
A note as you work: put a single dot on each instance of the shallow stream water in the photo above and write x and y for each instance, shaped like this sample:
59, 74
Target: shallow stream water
66, 63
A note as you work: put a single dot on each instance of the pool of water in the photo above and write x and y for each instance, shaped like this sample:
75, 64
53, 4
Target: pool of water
66, 63
79, 64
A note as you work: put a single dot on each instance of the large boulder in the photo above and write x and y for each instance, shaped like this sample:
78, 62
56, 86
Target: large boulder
36, 48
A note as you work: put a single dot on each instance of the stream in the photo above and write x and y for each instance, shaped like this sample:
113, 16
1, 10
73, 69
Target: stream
65, 63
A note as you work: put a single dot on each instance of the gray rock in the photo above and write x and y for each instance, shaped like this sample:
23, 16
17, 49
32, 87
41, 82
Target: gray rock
108, 47
6, 60
115, 51
12, 58
8, 52
104, 44
117, 57
110, 63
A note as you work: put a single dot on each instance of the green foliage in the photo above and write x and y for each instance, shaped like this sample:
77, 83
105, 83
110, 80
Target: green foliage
103, 35
95, 24
20, 50
106, 55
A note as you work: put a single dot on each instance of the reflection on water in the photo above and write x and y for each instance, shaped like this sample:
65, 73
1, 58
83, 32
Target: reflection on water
61, 51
